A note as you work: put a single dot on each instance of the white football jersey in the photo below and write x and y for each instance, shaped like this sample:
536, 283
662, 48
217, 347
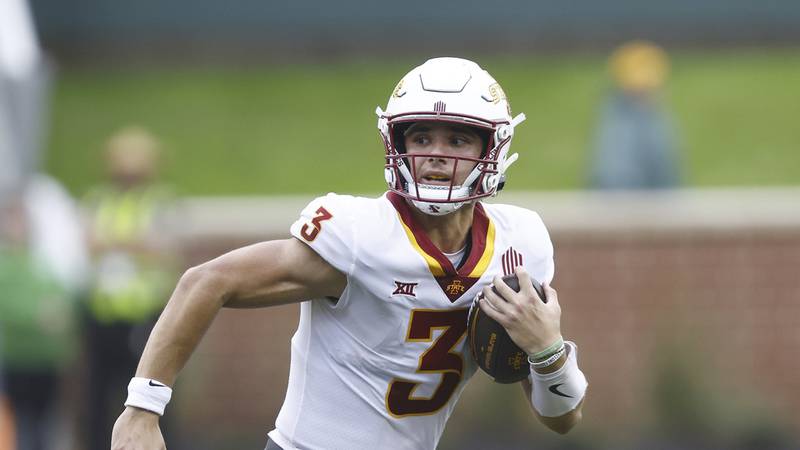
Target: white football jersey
383, 366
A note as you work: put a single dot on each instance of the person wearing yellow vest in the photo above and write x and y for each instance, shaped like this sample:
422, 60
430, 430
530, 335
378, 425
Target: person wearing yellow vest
133, 266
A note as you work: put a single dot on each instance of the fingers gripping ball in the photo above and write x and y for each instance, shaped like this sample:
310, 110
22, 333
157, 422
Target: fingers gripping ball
492, 347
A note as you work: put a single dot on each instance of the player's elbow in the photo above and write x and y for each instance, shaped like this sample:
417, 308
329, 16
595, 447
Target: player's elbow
205, 281
563, 424
566, 422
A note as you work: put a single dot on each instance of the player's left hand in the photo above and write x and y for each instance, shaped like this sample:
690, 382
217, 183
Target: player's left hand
531, 323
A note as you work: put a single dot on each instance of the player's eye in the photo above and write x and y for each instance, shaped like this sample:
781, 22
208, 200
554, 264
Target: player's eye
459, 141
420, 139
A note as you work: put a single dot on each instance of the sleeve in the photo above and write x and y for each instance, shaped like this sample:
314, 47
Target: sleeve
327, 225
540, 265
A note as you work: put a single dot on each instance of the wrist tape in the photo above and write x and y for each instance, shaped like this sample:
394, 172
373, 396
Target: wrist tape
149, 394
557, 393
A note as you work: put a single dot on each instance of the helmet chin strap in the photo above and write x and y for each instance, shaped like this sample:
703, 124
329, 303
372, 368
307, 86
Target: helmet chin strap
437, 209
437, 193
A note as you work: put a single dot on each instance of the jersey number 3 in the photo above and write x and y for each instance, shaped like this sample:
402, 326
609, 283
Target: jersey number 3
310, 231
438, 358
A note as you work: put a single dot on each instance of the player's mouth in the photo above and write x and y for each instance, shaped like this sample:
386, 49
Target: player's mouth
436, 179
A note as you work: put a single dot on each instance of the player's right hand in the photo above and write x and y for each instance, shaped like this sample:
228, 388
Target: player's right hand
532, 323
137, 429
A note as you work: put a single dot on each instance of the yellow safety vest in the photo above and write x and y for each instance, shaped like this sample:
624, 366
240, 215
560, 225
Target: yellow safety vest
124, 217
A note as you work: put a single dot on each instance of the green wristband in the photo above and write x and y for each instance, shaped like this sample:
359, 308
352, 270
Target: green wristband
549, 351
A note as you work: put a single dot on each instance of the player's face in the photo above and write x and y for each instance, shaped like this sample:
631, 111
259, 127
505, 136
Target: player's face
434, 139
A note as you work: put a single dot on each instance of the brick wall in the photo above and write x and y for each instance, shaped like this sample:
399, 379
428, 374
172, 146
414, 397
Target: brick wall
729, 302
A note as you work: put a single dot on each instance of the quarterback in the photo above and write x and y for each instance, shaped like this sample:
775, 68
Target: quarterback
379, 358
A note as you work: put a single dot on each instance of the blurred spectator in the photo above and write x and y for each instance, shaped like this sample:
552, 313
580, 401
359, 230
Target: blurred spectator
7, 436
37, 317
134, 269
6, 423
635, 147
42, 258
25, 76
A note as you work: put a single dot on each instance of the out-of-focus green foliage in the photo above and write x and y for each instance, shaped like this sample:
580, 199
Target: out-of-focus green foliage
311, 128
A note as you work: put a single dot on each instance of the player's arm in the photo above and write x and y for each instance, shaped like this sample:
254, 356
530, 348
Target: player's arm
556, 389
560, 424
264, 274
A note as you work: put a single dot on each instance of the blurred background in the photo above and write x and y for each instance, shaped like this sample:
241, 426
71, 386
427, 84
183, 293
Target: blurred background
662, 148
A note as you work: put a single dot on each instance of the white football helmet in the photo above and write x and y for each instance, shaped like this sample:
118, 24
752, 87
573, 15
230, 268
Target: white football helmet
452, 90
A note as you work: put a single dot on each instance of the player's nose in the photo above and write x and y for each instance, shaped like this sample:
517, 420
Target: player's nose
439, 147
438, 154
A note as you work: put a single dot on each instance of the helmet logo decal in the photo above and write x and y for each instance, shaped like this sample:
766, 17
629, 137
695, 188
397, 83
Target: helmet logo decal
397, 90
440, 107
497, 93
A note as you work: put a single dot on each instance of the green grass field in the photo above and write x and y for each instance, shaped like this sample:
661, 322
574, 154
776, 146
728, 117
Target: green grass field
311, 128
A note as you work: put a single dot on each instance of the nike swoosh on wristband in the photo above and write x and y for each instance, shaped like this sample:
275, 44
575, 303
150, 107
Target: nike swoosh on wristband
554, 390
154, 384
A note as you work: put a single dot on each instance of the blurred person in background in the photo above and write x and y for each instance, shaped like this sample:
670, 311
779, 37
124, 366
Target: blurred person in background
37, 318
7, 432
133, 267
42, 258
635, 144
7, 435
25, 78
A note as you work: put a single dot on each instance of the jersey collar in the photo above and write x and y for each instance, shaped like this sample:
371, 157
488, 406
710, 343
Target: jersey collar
454, 281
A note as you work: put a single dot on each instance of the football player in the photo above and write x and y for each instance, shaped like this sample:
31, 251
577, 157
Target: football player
378, 359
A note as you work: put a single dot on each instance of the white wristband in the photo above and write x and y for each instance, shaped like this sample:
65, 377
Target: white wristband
557, 393
149, 394
549, 361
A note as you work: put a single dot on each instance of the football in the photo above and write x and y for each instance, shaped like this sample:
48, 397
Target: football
490, 344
